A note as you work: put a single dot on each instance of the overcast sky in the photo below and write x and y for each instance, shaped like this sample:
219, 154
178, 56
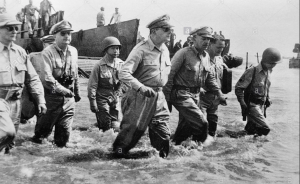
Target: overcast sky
251, 25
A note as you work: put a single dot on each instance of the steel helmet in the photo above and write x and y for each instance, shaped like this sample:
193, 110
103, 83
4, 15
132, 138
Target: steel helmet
110, 41
271, 55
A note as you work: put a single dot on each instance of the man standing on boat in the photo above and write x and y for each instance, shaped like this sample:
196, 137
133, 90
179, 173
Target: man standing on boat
29, 12
15, 72
116, 17
144, 106
60, 80
189, 72
101, 18
45, 12
252, 91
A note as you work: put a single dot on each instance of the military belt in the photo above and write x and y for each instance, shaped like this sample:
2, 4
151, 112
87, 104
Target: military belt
11, 92
257, 101
157, 89
189, 89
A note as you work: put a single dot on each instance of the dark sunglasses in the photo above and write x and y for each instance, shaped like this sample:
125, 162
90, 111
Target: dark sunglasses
165, 29
11, 28
63, 33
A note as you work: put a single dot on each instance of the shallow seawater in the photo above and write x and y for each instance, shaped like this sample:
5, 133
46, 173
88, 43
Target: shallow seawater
271, 159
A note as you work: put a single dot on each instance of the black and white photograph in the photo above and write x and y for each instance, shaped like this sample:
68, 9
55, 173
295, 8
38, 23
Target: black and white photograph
149, 91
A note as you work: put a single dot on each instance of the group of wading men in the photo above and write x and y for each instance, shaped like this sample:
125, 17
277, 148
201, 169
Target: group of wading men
148, 82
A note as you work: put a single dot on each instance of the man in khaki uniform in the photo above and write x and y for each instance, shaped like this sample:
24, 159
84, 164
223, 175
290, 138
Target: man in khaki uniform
208, 99
60, 80
15, 72
144, 106
189, 72
255, 85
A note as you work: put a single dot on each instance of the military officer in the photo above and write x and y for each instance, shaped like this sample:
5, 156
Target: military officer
60, 80
146, 71
15, 71
208, 99
188, 74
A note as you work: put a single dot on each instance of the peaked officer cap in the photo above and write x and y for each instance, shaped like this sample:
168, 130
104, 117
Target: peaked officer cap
162, 21
203, 31
61, 26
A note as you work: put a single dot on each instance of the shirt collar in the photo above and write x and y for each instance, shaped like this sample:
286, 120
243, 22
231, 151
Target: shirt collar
60, 50
12, 46
193, 48
104, 61
152, 46
260, 69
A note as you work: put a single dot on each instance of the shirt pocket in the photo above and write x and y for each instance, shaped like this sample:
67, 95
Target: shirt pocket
20, 73
191, 68
105, 75
150, 62
4, 68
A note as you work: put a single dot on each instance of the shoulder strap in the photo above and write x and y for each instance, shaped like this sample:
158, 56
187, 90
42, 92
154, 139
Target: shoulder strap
253, 75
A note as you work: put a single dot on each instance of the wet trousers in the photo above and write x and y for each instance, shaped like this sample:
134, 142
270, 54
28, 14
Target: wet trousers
209, 107
140, 113
60, 113
10, 113
256, 122
192, 122
107, 112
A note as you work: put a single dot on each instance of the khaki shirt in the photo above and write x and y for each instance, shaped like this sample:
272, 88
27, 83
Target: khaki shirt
259, 89
216, 67
55, 64
36, 60
103, 77
190, 69
16, 70
146, 65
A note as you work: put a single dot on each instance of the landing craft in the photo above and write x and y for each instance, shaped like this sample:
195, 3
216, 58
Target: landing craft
87, 42
295, 62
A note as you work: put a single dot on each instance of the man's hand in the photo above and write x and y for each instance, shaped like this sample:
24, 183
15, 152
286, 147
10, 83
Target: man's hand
77, 98
69, 94
243, 106
42, 109
146, 91
223, 100
202, 91
93, 106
